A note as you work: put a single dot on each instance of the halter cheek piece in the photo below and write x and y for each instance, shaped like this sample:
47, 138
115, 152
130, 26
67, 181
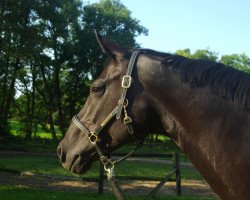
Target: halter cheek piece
122, 105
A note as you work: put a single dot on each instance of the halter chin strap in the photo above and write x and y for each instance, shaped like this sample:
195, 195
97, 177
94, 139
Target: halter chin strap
122, 106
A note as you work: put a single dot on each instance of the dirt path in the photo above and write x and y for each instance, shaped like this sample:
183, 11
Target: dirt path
189, 187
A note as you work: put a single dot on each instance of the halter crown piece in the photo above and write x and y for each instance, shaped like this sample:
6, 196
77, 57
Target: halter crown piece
93, 135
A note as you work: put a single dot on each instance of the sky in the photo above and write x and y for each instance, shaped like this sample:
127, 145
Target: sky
222, 26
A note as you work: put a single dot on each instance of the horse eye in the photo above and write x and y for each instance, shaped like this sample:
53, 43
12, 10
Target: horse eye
97, 89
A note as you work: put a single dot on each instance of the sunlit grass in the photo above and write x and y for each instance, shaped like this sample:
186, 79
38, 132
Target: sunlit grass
17, 130
51, 165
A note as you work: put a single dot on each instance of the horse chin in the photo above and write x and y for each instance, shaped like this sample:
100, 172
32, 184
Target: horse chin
78, 168
81, 165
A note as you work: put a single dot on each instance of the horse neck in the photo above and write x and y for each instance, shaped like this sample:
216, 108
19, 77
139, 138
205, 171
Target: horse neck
194, 119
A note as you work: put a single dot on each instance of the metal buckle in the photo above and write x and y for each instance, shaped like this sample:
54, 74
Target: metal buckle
127, 120
93, 138
104, 160
126, 81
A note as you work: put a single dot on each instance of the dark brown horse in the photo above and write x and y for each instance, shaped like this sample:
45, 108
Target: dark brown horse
203, 106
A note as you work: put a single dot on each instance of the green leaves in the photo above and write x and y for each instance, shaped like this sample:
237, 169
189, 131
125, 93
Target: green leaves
49, 54
112, 18
237, 61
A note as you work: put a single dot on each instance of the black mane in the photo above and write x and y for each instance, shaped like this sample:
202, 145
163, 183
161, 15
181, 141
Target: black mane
224, 81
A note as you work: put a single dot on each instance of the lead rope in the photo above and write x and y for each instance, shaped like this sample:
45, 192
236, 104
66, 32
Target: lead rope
113, 183
110, 170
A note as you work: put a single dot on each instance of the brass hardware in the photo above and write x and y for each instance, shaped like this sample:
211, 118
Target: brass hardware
127, 120
109, 166
126, 81
104, 160
106, 120
93, 138
125, 103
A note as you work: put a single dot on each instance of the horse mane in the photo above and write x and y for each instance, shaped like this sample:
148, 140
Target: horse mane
221, 80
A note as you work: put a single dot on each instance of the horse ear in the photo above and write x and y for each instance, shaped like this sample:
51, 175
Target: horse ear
110, 48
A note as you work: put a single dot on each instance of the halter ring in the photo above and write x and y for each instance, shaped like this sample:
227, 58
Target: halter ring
109, 167
93, 138
104, 160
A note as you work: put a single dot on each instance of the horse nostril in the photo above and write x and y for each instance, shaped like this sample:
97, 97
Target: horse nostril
60, 154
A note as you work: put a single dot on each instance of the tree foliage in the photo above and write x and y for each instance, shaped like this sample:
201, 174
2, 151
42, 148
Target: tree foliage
49, 55
237, 61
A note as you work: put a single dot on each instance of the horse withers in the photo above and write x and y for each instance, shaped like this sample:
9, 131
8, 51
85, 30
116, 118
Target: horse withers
201, 105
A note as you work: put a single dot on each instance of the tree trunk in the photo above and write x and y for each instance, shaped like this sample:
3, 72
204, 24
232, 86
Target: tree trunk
8, 100
57, 65
59, 101
48, 102
51, 122
3, 97
33, 98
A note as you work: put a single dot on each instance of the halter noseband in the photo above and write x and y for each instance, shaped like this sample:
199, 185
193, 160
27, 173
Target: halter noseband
122, 105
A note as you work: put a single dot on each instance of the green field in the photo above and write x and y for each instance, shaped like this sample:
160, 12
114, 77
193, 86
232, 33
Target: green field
50, 166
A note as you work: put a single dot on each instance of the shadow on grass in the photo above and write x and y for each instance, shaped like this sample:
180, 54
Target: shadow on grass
22, 193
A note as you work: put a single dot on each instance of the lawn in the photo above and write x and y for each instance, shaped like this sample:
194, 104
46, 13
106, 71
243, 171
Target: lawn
49, 165
16, 130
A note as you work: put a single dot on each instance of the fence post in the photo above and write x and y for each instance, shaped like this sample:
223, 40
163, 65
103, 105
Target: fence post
101, 177
177, 173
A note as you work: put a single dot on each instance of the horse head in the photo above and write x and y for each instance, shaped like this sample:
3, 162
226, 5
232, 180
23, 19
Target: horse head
117, 111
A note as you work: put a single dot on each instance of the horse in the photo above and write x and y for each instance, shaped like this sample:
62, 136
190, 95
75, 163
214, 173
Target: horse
203, 106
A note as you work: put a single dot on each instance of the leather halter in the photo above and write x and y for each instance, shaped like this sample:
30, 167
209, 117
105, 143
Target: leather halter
122, 105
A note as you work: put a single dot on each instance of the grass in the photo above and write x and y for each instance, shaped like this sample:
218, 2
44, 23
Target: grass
51, 165
35, 144
16, 130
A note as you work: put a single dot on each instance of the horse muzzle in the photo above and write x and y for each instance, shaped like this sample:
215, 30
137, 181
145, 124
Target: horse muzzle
76, 163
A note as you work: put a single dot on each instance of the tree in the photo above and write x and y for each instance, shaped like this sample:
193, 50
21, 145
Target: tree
238, 61
184, 52
49, 55
110, 18
205, 54
13, 43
